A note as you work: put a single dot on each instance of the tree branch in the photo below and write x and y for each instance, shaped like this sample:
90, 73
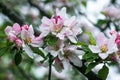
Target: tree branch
91, 75
39, 8
11, 14
99, 27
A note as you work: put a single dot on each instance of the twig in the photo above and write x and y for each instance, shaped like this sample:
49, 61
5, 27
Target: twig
101, 29
13, 16
50, 65
91, 75
23, 73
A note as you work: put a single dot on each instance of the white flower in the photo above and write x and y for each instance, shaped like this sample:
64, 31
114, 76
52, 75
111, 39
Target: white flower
104, 46
28, 37
65, 53
71, 30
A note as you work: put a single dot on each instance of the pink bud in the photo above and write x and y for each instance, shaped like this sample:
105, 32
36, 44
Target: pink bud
18, 42
25, 27
113, 32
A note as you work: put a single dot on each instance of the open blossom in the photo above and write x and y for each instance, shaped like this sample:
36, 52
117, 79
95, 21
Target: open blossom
27, 34
71, 30
53, 25
13, 32
112, 12
104, 46
65, 52
28, 37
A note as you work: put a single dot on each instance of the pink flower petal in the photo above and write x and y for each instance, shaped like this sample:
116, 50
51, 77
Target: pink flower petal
16, 28
101, 39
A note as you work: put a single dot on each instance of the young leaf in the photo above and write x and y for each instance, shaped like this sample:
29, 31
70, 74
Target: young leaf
90, 57
81, 43
102, 22
51, 40
103, 72
90, 67
17, 58
92, 40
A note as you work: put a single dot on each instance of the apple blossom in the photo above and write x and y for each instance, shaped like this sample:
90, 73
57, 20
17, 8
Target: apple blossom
112, 12
28, 37
71, 30
65, 52
53, 25
12, 32
104, 46
27, 34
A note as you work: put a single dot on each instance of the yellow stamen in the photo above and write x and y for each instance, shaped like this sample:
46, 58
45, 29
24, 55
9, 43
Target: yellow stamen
104, 48
56, 48
28, 40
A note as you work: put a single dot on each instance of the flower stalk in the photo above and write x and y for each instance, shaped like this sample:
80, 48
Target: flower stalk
50, 67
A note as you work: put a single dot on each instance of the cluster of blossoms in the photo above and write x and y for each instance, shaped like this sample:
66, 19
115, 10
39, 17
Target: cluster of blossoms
63, 30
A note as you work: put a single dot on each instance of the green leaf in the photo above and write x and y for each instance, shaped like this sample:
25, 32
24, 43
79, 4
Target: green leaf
37, 51
90, 67
92, 40
90, 57
51, 40
17, 58
103, 72
81, 43
86, 49
102, 22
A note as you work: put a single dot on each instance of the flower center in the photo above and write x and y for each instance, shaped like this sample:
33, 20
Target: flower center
56, 48
104, 48
57, 28
28, 40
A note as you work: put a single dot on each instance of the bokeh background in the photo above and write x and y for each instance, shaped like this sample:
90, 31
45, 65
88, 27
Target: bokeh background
91, 17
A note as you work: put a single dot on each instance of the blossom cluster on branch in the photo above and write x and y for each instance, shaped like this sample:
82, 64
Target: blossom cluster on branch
59, 38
